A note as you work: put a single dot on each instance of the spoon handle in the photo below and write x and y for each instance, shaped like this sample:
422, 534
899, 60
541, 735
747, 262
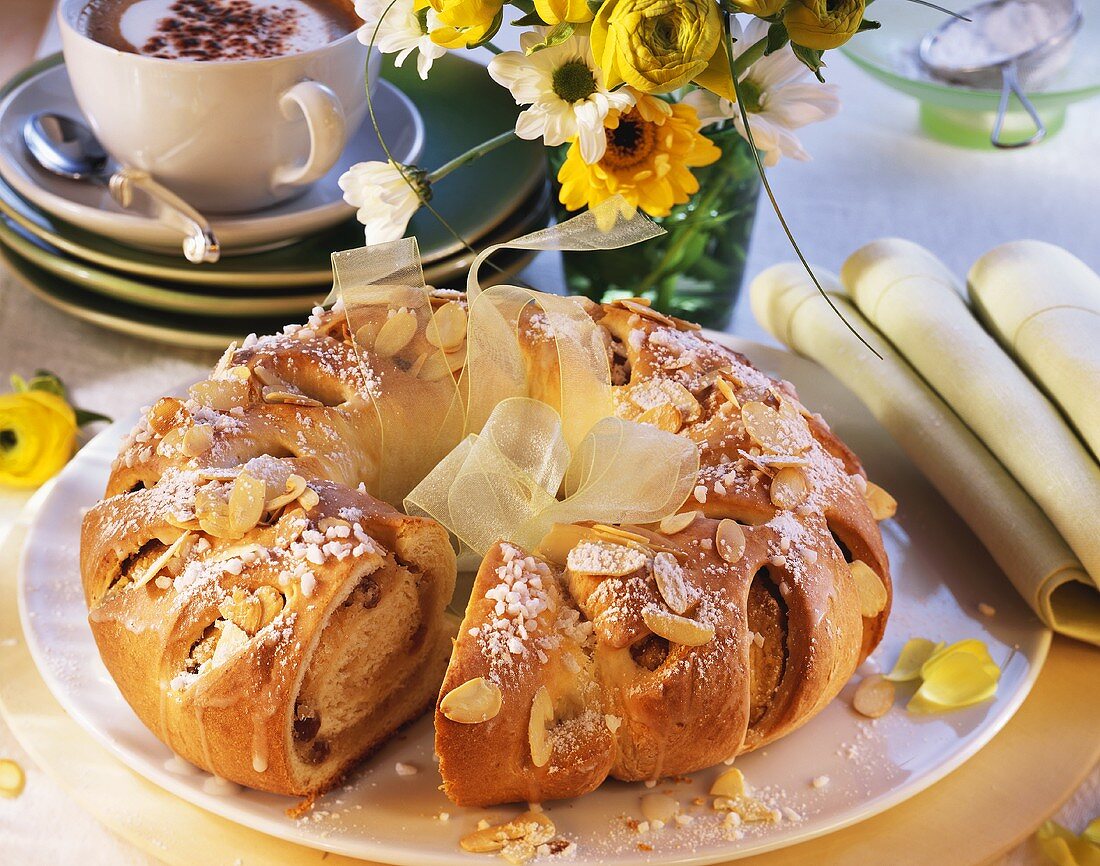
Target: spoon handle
199, 244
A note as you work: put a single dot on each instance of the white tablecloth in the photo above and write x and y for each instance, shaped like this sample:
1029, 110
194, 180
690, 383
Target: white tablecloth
873, 174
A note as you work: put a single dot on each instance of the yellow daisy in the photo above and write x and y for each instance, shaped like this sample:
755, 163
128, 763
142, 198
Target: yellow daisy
651, 150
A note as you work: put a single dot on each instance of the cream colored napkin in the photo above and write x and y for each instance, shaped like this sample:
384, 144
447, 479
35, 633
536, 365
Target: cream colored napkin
1043, 305
1020, 537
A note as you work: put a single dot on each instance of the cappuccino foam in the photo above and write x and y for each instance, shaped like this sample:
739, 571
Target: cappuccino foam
217, 29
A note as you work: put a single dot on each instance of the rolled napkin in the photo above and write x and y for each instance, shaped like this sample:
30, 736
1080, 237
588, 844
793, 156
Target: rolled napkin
1018, 535
1042, 304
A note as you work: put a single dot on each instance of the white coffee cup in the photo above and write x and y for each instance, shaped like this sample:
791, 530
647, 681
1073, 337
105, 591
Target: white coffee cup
226, 135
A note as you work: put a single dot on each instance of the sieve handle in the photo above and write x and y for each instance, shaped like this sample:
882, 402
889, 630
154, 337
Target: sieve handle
1010, 84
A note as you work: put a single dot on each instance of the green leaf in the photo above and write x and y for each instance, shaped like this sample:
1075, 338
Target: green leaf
595, 5
18, 383
525, 6
44, 380
811, 57
558, 34
777, 38
83, 417
867, 24
531, 19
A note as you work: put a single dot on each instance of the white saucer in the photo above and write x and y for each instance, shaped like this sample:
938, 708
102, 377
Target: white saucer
91, 207
941, 575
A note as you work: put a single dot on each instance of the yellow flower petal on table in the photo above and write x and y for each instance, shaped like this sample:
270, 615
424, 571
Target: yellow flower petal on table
1092, 831
12, 779
911, 659
37, 437
823, 24
655, 45
972, 646
1065, 849
651, 150
558, 11
957, 679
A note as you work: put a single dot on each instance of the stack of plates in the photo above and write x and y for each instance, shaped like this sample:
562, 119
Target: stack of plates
76, 249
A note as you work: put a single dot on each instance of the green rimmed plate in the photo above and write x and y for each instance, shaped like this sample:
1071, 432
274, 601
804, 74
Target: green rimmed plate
190, 329
459, 100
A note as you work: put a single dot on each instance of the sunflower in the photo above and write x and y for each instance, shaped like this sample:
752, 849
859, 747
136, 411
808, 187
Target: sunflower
651, 149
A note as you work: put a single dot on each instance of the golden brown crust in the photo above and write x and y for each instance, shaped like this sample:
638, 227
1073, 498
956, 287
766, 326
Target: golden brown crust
773, 632
210, 628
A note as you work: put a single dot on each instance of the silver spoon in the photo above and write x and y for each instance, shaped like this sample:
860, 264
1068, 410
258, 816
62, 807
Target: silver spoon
66, 147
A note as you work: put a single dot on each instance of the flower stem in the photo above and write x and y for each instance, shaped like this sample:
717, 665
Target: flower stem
495, 49
472, 154
749, 56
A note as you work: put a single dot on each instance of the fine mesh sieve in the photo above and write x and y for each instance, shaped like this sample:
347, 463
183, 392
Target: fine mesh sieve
992, 51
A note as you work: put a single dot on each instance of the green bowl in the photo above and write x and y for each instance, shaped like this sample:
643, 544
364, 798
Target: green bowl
959, 115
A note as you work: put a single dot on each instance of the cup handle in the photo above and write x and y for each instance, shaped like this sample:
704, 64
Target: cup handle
327, 132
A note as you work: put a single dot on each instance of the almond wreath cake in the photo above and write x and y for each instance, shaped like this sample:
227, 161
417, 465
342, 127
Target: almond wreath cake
273, 622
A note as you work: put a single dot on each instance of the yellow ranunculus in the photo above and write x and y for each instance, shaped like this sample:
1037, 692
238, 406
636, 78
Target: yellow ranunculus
655, 45
823, 24
760, 8
464, 22
558, 11
37, 437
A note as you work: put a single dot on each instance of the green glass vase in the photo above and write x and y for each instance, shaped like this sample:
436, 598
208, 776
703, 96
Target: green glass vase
696, 269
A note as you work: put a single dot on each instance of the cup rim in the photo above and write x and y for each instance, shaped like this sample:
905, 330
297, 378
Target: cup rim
69, 27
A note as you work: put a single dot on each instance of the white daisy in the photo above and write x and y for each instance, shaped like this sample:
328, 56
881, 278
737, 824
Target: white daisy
385, 200
401, 31
778, 98
561, 84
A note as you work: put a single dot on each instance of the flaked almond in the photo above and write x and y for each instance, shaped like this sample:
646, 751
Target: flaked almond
220, 394
246, 502
664, 417
656, 392
604, 559
197, 440
268, 377
561, 539
789, 488
225, 360
726, 390
730, 784
243, 610
678, 594
272, 603
883, 506
157, 565
395, 333
309, 499
165, 414
473, 702
872, 591
675, 523
780, 432
448, 328
748, 809
677, 629
542, 717
534, 828
874, 696
617, 533
291, 398
729, 540
295, 487
366, 334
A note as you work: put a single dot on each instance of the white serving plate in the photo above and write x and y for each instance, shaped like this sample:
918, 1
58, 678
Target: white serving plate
941, 574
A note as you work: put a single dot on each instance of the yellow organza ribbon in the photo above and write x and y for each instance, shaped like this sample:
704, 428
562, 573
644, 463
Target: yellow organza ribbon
519, 455
415, 427
504, 483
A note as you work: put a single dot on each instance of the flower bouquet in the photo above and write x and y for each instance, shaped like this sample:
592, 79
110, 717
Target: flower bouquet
674, 105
